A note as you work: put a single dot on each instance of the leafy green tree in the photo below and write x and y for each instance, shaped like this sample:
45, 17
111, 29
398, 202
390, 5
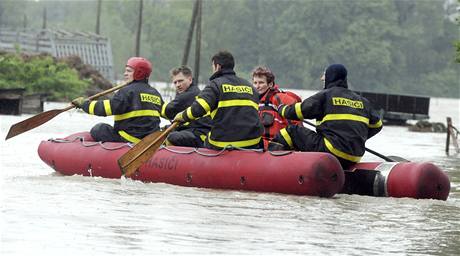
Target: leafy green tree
394, 46
40, 74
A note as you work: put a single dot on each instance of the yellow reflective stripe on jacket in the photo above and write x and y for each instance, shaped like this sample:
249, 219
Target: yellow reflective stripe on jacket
163, 110
240, 143
376, 125
128, 137
203, 104
351, 117
339, 153
213, 113
189, 114
137, 113
287, 137
298, 110
107, 108
238, 103
283, 110
91, 107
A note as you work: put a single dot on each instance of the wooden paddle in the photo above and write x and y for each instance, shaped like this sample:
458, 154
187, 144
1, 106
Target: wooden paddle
39, 119
143, 151
386, 158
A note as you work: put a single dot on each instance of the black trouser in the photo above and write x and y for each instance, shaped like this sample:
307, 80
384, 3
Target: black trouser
105, 133
186, 138
306, 140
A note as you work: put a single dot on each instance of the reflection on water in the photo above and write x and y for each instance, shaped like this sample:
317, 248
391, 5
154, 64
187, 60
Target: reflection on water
46, 213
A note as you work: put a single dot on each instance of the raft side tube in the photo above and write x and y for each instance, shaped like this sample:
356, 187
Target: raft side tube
299, 173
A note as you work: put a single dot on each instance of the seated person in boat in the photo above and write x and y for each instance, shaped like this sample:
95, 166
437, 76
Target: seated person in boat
271, 97
136, 108
345, 120
233, 104
189, 134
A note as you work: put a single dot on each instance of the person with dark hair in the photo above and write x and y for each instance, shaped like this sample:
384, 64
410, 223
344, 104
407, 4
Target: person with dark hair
271, 97
136, 107
190, 134
233, 104
345, 120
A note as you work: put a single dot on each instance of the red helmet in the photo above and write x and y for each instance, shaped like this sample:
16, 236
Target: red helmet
142, 67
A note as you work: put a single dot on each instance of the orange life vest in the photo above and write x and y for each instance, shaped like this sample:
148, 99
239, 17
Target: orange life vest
268, 112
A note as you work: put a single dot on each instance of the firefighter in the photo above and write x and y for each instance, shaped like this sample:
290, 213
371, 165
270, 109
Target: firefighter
190, 134
233, 104
136, 107
345, 120
271, 97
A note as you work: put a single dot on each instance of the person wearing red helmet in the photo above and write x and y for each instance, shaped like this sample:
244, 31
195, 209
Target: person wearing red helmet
136, 108
271, 97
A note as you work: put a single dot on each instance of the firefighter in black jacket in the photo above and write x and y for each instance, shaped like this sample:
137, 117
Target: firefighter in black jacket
190, 134
136, 107
233, 104
345, 120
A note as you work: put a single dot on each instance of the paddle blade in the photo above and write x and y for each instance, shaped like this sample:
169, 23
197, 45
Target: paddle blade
143, 151
32, 122
128, 166
131, 154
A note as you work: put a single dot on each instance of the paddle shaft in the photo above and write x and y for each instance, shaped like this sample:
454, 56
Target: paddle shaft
367, 149
39, 119
97, 95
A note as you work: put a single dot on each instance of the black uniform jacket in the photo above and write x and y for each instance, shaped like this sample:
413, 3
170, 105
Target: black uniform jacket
136, 110
180, 103
344, 119
233, 104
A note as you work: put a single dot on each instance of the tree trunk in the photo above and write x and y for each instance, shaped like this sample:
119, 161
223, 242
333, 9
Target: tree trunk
98, 17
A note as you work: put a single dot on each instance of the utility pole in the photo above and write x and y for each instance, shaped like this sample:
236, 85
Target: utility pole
198, 42
190, 34
139, 28
98, 17
44, 18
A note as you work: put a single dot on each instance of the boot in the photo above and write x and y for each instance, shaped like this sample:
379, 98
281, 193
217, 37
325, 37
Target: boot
275, 146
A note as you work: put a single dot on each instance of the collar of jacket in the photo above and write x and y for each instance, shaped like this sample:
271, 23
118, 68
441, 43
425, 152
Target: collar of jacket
222, 72
269, 93
338, 83
137, 82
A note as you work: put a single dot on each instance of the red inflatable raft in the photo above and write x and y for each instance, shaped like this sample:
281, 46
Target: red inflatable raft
299, 173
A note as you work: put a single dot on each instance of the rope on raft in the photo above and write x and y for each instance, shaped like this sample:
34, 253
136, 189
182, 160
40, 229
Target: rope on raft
91, 143
222, 151
192, 150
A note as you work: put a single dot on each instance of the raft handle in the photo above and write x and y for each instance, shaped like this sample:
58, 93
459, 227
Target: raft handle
188, 178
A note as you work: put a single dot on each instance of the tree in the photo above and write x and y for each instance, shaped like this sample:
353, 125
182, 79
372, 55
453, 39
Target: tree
41, 73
